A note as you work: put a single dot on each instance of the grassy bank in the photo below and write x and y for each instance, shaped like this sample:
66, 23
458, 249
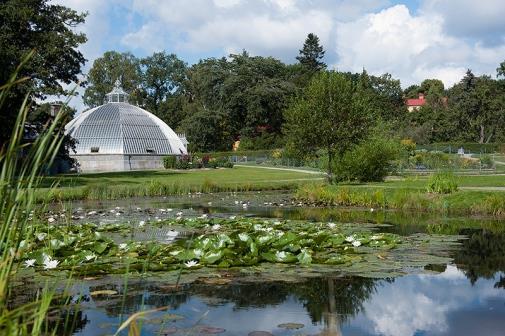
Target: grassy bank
103, 186
416, 199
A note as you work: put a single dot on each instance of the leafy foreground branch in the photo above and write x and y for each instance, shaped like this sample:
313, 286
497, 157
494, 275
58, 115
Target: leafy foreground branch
89, 249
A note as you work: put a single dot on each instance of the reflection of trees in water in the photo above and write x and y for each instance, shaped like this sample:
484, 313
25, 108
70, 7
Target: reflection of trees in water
328, 300
139, 296
482, 255
245, 295
65, 316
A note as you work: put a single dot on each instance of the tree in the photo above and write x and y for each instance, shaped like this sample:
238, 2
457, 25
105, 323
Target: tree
478, 107
104, 73
41, 117
311, 54
333, 113
49, 30
249, 92
162, 78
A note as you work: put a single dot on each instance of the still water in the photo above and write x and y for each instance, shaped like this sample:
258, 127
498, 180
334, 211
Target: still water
465, 297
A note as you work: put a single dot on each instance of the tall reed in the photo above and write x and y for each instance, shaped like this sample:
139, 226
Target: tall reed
20, 169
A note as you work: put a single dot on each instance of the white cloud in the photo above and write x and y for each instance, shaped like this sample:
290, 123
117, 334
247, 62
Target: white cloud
410, 47
470, 18
425, 302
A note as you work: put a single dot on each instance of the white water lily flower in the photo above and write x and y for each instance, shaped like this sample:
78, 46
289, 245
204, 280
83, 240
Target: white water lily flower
122, 246
191, 263
203, 216
51, 219
216, 227
29, 263
90, 257
372, 209
236, 202
179, 213
277, 222
142, 223
332, 225
178, 218
174, 253
376, 237
170, 210
280, 254
41, 236
356, 243
258, 227
268, 229
349, 239
50, 263
233, 217
162, 210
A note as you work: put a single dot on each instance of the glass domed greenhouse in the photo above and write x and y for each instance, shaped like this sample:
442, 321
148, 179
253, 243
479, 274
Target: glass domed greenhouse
118, 136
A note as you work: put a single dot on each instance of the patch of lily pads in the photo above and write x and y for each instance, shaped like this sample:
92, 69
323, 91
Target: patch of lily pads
245, 245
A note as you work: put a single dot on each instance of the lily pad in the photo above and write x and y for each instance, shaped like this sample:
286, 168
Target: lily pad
291, 326
103, 292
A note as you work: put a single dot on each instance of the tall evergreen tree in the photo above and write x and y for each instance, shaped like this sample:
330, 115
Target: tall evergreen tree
312, 53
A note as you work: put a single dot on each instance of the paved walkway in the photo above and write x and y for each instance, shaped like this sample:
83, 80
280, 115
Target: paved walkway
280, 168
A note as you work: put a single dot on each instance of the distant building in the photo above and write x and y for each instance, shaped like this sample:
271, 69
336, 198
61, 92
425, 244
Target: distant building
118, 136
416, 103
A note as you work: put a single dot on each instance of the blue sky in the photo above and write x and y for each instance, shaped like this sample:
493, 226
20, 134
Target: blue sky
411, 39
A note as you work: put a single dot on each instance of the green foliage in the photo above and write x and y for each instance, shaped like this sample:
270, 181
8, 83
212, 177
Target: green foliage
169, 162
442, 183
333, 114
312, 53
370, 161
223, 243
487, 161
20, 170
104, 73
262, 141
49, 29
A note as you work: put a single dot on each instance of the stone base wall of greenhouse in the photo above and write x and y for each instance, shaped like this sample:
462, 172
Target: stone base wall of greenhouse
118, 162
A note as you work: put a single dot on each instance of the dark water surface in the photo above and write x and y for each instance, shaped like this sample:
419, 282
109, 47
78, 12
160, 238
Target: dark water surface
466, 297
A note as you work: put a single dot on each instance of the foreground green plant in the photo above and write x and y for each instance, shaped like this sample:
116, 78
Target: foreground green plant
442, 183
20, 169
91, 249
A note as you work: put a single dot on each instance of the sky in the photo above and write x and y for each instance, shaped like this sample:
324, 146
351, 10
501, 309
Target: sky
411, 39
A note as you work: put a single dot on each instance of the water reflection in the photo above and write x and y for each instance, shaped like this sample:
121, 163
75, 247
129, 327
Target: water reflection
435, 304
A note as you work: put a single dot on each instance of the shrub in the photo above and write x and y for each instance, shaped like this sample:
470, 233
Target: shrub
442, 183
368, 161
169, 162
487, 161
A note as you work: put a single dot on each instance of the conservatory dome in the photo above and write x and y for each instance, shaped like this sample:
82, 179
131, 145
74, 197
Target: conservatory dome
117, 131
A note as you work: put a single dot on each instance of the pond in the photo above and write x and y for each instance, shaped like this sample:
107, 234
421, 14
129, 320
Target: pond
459, 291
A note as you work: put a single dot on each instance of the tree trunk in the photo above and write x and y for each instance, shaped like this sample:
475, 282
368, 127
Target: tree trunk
330, 166
481, 140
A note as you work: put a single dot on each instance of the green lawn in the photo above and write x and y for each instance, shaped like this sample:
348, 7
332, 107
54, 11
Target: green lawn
168, 182
420, 181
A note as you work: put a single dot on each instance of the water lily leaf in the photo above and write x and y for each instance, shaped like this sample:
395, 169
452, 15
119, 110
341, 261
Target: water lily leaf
212, 257
291, 326
99, 247
337, 260
103, 292
56, 244
244, 237
305, 257
285, 239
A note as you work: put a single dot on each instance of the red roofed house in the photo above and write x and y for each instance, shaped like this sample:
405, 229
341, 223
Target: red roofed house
415, 104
